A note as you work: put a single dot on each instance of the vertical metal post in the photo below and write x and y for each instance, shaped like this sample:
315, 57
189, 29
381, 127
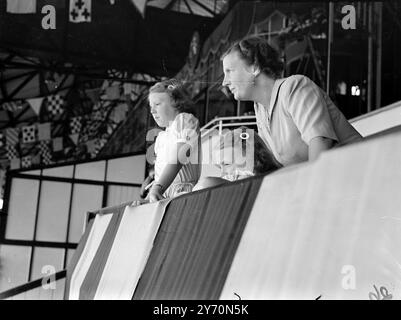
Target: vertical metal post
370, 59
379, 25
329, 42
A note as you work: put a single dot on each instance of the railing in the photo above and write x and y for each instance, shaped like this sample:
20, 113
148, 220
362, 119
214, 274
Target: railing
36, 284
220, 124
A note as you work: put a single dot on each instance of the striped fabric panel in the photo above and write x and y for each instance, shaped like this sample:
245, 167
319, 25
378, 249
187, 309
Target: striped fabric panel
89, 285
75, 258
196, 243
130, 251
95, 236
329, 229
12, 136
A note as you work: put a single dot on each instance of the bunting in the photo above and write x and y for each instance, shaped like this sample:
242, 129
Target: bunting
28, 134
57, 144
44, 151
80, 11
11, 152
15, 163
55, 104
26, 161
140, 6
12, 136
44, 131
74, 138
113, 92
21, 6
11, 106
75, 125
36, 104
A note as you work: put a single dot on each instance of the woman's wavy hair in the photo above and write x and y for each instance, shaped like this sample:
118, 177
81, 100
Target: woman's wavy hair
177, 92
255, 51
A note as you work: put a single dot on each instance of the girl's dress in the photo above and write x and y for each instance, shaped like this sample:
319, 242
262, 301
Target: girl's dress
184, 128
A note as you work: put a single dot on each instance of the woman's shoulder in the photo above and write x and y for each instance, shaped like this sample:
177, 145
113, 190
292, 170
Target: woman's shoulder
295, 82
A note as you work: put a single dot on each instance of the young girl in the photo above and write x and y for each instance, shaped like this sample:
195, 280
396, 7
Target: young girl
177, 166
242, 154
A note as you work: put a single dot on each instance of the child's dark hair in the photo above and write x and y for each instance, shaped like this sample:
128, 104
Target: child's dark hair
177, 91
256, 51
264, 160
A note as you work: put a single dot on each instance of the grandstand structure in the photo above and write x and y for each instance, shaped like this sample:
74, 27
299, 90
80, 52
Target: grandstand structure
67, 229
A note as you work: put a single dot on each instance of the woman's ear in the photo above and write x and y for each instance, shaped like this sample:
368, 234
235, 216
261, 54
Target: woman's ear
255, 71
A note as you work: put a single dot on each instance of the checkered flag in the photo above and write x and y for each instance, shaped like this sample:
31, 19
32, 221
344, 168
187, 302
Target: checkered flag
76, 125
28, 134
55, 104
26, 162
11, 152
44, 151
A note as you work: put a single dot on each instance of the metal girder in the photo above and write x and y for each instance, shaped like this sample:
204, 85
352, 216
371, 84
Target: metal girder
22, 84
204, 7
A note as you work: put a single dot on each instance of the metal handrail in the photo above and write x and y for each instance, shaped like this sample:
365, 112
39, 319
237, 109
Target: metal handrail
205, 130
32, 285
226, 118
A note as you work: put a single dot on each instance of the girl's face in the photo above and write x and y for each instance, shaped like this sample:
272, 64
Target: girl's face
238, 76
232, 162
162, 108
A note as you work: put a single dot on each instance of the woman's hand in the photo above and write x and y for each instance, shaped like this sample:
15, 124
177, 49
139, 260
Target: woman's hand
155, 193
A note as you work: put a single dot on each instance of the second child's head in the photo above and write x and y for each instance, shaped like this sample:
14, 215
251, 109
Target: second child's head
167, 99
243, 153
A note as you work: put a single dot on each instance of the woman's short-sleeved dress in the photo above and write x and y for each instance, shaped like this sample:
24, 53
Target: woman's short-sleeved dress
298, 112
184, 128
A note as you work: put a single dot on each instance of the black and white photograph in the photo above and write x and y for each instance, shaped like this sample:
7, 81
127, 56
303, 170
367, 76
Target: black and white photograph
200, 155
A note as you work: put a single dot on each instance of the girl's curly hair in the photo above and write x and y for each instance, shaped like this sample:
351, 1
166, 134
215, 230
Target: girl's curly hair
177, 91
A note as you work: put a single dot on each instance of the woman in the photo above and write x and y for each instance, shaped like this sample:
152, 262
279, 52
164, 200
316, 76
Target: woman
295, 118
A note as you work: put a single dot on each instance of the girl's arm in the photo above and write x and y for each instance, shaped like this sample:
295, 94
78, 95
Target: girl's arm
169, 173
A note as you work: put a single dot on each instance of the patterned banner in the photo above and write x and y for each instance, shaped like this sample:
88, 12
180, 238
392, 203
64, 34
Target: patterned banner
12, 136
80, 11
55, 104
28, 134
74, 138
11, 106
36, 104
44, 131
15, 163
11, 152
75, 125
26, 161
57, 144
44, 151
21, 6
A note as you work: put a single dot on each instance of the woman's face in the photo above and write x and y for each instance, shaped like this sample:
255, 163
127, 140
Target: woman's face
162, 108
238, 76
